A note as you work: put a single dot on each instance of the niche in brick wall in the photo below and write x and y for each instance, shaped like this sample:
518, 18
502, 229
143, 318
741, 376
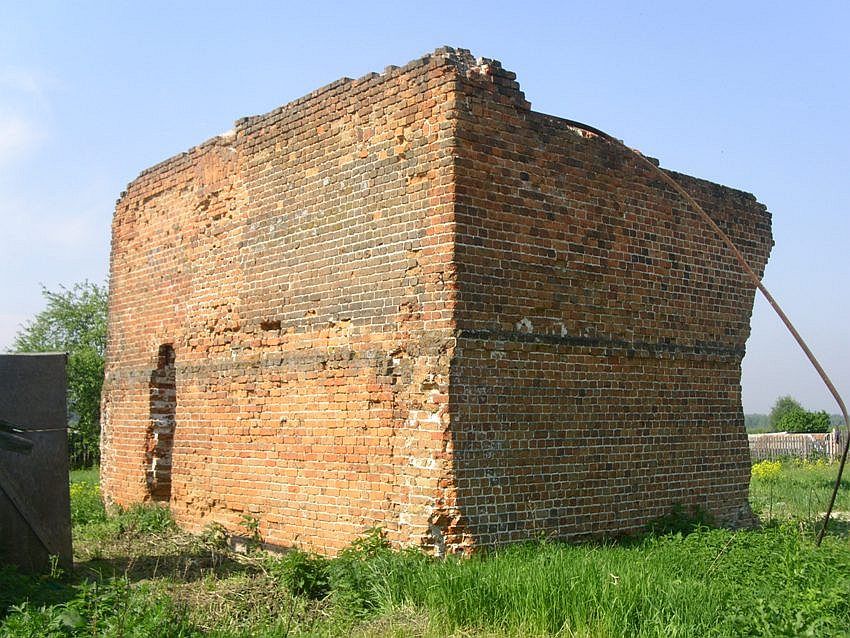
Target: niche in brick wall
160, 434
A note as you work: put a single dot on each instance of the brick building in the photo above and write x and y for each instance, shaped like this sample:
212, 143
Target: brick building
409, 301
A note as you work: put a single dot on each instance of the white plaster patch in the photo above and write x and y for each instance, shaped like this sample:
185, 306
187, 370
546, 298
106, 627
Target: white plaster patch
427, 463
525, 325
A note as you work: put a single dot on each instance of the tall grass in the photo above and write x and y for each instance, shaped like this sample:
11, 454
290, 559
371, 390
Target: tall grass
799, 490
710, 583
137, 575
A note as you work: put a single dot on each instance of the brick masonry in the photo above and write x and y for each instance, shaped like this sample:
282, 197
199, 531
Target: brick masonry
409, 301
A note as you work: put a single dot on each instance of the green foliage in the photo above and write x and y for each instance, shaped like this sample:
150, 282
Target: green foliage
708, 583
766, 471
357, 573
780, 407
251, 525
785, 586
145, 518
74, 321
800, 420
681, 521
215, 536
302, 573
371, 544
760, 423
86, 503
88, 511
109, 608
798, 491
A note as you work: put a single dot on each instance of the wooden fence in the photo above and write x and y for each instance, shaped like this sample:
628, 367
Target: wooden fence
779, 444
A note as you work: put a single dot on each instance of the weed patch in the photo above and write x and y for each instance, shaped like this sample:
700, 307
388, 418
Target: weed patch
138, 575
798, 491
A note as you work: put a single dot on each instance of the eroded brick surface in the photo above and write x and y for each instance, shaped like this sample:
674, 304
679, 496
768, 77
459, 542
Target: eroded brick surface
601, 327
409, 301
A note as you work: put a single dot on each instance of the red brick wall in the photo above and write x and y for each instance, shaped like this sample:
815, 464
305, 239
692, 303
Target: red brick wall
409, 301
596, 380
300, 267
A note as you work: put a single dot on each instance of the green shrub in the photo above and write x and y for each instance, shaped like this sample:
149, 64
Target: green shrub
302, 573
253, 537
803, 421
356, 573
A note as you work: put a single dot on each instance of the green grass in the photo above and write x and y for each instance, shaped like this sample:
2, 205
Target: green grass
800, 491
90, 476
711, 583
136, 574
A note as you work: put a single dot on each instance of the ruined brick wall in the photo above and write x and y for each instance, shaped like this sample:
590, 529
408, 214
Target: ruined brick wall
300, 269
409, 301
601, 329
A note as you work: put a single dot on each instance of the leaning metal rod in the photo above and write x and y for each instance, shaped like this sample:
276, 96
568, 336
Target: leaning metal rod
764, 291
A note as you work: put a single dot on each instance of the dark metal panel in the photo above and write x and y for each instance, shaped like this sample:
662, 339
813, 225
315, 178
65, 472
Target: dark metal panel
35, 510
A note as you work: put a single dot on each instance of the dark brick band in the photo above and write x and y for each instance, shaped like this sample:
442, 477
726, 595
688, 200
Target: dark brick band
629, 348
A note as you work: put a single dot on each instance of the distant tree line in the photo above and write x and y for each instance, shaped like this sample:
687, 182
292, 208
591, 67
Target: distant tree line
787, 415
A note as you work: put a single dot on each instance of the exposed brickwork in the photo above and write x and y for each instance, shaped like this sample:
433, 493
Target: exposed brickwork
410, 301
601, 330
160, 436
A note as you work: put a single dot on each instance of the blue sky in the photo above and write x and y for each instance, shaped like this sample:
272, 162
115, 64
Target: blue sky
749, 94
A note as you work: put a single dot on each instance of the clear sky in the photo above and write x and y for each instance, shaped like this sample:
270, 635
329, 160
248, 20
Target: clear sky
753, 95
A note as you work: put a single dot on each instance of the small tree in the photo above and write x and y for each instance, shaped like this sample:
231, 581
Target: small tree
782, 406
74, 322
